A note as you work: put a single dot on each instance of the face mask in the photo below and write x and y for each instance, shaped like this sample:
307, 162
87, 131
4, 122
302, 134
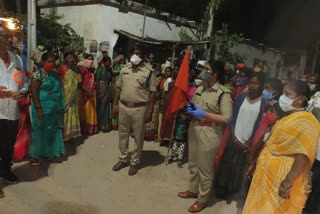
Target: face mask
285, 103
49, 66
312, 87
168, 63
243, 81
271, 118
107, 64
198, 82
88, 63
135, 60
158, 73
267, 95
204, 75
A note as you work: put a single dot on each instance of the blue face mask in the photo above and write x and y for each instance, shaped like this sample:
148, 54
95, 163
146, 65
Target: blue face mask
267, 95
204, 75
158, 73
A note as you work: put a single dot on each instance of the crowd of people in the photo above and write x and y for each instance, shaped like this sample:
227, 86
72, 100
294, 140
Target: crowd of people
249, 138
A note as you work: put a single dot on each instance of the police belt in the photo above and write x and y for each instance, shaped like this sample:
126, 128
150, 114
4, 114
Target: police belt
204, 123
133, 105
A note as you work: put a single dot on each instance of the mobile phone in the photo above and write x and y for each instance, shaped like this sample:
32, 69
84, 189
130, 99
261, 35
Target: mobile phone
191, 104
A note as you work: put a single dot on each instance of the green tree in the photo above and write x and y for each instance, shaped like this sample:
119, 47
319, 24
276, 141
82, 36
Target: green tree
64, 35
220, 39
50, 29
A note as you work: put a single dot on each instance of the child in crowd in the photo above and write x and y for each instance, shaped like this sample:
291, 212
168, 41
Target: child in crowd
180, 139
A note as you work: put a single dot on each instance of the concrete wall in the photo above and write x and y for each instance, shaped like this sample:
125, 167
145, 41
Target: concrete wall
273, 60
99, 21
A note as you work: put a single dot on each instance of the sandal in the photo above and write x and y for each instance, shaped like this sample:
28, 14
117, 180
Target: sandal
34, 162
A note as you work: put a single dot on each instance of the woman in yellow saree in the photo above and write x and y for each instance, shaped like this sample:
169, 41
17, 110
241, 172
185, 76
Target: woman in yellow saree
282, 180
69, 79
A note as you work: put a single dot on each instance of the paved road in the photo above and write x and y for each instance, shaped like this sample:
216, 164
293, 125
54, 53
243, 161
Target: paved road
83, 183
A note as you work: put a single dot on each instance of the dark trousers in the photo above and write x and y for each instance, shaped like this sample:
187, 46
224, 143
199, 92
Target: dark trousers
312, 205
8, 134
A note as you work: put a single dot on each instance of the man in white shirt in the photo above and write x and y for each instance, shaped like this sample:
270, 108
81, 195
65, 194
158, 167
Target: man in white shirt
13, 86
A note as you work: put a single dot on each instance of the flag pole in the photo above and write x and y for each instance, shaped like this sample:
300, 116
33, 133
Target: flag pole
170, 142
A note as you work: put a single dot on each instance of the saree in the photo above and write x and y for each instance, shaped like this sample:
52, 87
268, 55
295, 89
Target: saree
46, 139
161, 88
88, 102
115, 120
167, 125
104, 99
151, 132
297, 133
21, 147
71, 123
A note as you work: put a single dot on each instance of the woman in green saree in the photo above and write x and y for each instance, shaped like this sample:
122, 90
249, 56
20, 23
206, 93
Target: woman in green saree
103, 79
47, 110
116, 73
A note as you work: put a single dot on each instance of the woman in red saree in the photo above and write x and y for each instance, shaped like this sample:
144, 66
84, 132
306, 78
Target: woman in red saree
21, 147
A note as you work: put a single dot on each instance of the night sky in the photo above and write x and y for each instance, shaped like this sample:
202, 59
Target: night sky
277, 23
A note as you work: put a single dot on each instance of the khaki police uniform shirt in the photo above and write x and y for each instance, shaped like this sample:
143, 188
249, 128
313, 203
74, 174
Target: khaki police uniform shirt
134, 83
207, 99
36, 55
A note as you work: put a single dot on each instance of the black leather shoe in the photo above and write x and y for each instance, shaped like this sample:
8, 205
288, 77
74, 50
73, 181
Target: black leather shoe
119, 165
133, 170
10, 178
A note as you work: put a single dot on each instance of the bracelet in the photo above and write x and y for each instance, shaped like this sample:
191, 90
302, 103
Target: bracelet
283, 186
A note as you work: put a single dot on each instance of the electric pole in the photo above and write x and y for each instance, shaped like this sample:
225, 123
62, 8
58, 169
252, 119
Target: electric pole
32, 34
144, 19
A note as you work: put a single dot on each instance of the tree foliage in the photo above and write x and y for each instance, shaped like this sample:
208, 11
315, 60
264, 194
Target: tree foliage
64, 35
221, 40
49, 29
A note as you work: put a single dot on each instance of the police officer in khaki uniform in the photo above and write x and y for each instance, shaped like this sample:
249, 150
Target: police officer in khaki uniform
212, 109
136, 87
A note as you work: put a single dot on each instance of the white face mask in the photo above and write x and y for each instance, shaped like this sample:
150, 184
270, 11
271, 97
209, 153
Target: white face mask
198, 82
312, 87
135, 60
285, 104
168, 63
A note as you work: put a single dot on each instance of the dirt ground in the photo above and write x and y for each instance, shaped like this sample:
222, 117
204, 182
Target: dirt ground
83, 183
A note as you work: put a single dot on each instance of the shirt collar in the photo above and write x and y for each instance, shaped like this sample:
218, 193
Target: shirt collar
214, 88
4, 64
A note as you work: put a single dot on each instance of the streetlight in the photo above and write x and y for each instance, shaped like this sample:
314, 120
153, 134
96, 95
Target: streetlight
10, 23
32, 36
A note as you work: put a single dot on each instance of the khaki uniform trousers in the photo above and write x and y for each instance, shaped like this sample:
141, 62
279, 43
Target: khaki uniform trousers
131, 118
204, 143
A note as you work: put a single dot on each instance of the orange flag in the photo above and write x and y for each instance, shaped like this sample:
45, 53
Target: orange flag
180, 87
